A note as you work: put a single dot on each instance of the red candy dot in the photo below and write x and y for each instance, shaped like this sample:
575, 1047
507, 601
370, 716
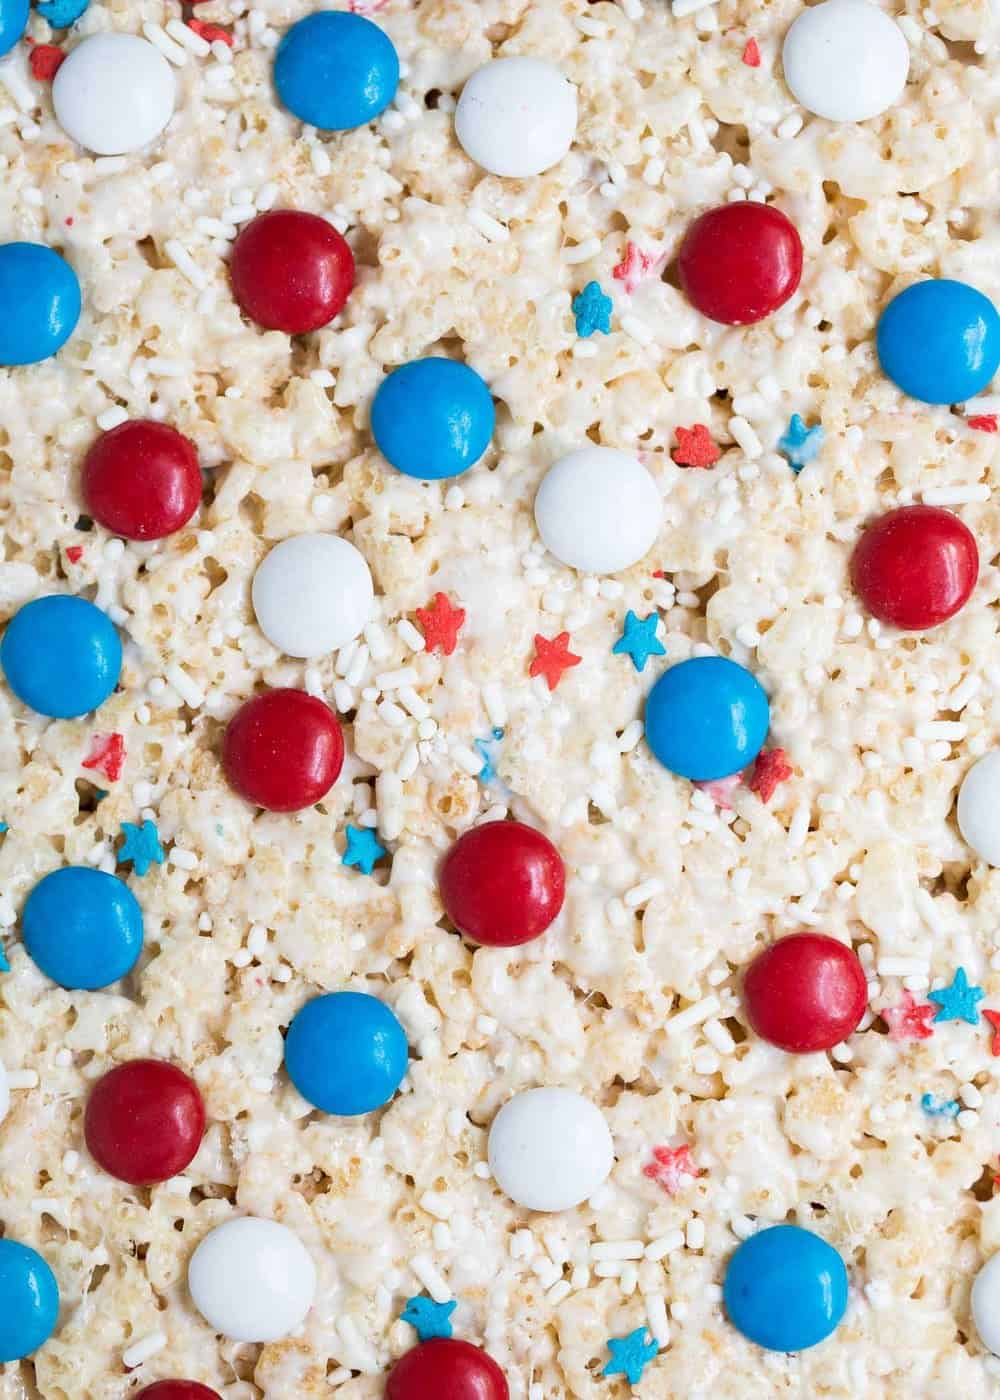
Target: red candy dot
502, 883
806, 992
283, 750
177, 1390
141, 480
446, 1369
291, 271
915, 567
740, 262
144, 1121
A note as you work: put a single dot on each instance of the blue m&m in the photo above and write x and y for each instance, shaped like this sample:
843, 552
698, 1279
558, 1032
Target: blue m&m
939, 341
13, 18
82, 927
39, 303
785, 1288
29, 1300
61, 655
707, 718
433, 418
336, 70
346, 1053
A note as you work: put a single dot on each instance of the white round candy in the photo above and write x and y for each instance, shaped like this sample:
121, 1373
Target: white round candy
516, 116
598, 510
979, 807
550, 1149
846, 60
114, 93
986, 1304
252, 1280
313, 594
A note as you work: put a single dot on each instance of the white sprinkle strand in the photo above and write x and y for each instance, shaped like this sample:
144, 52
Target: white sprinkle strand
143, 1349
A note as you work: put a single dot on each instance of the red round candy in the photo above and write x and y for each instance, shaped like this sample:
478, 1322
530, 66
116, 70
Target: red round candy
915, 567
144, 1121
806, 992
502, 883
141, 480
446, 1369
283, 750
291, 271
178, 1390
740, 262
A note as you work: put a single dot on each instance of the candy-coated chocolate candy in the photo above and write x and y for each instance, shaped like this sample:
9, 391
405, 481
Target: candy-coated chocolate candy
979, 807
707, 718
446, 1369
178, 1390
550, 1149
291, 271
144, 1121
433, 418
113, 93
313, 594
39, 303
29, 1300
740, 262
253, 1280
516, 116
846, 60
502, 883
61, 655
986, 1304
82, 927
806, 992
598, 510
785, 1288
141, 480
939, 341
346, 1053
13, 21
283, 750
336, 70
915, 567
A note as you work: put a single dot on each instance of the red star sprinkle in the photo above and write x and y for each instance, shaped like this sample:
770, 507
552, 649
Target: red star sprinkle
770, 769
107, 755
695, 447
908, 1020
74, 553
552, 657
637, 266
44, 61
721, 789
994, 1019
751, 54
441, 623
984, 423
670, 1166
210, 32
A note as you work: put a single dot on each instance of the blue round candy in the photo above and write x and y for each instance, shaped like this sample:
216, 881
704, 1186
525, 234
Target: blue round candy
39, 303
61, 655
939, 341
707, 718
336, 70
13, 19
29, 1300
83, 928
785, 1288
433, 418
346, 1053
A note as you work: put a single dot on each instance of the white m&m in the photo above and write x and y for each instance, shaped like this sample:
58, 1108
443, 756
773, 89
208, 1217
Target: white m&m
846, 60
598, 510
252, 1280
550, 1149
979, 807
516, 116
312, 594
986, 1304
114, 93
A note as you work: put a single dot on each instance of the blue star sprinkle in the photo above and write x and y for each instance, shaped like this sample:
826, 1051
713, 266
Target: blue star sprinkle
630, 1355
429, 1318
4, 964
639, 639
3, 827
62, 13
486, 749
959, 1001
799, 443
142, 846
938, 1108
592, 309
363, 849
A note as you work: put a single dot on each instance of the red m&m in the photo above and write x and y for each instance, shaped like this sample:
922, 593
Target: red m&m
915, 567
806, 992
283, 750
740, 262
502, 883
177, 1390
144, 1121
141, 480
446, 1369
291, 271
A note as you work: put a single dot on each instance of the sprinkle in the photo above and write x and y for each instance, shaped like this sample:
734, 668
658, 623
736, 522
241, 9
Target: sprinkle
670, 1166
720, 790
693, 1015
44, 61
637, 266
592, 310
664, 1244
487, 749
983, 423
409, 635
770, 769
639, 639
210, 32
552, 658
192, 694
630, 1355
143, 1349
441, 622
430, 1319
958, 1001
62, 13
751, 54
994, 1019
908, 1020
745, 437
695, 447
142, 846
616, 1249
955, 495
74, 553
937, 1108
106, 754
425, 1270
491, 229
4, 964
363, 849
799, 443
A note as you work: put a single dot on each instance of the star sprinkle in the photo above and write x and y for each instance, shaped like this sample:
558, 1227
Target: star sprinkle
441, 623
984, 423
429, 1318
799, 443
45, 60
939, 1108
770, 769
3, 828
592, 309
142, 846
4, 964
106, 754
695, 447
958, 1001
637, 267
486, 748
363, 849
62, 13
994, 1019
720, 790
74, 552
630, 1355
909, 1020
751, 54
552, 658
210, 32
670, 1166
639, 639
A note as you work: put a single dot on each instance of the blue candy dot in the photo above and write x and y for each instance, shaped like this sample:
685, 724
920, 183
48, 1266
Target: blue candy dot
346, 1053
61, 655
785, 1288
13, 18
39, 303
29, 1300
336, 70
83, 928
433, 418
707, 718
939, 341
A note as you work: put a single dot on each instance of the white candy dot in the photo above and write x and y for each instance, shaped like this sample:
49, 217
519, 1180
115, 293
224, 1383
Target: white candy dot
516, 116
252, 1280
846, 60
114, 93
986, 1304
313, 594
598, 510
979, 807
550, 1149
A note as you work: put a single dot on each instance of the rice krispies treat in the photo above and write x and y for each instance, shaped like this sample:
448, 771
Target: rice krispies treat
253, 913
